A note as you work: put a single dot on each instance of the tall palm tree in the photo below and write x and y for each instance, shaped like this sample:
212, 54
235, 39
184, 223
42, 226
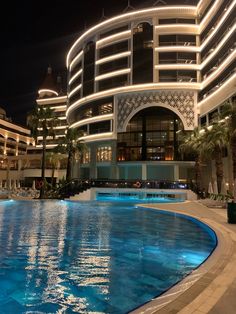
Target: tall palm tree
191, 144
214, 141
42, 121
72, 146
228, 114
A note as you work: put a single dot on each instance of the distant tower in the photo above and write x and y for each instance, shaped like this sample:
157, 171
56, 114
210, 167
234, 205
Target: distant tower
59, 85
49, 87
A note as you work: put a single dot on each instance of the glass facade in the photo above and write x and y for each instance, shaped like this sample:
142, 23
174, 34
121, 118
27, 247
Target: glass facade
152, 134
89, 69
143, 53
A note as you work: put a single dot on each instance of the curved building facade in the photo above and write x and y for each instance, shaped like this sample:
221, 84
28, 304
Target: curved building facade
139, 79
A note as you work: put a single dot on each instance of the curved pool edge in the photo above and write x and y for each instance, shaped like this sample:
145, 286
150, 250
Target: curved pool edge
205, 285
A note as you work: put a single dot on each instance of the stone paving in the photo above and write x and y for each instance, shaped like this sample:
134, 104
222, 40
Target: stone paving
212, 287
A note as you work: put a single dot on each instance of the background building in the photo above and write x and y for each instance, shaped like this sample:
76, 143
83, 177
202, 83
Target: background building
139, 79
50, 95
14, 143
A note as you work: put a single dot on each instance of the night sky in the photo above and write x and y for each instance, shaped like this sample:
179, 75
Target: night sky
36, 34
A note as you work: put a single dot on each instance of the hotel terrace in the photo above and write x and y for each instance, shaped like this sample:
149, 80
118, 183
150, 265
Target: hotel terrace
136, 80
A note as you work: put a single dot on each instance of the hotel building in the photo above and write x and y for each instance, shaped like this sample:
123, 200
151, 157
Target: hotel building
15, 141
137, 80
51, 95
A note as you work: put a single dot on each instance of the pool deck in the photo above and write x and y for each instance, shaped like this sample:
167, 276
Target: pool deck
212, 287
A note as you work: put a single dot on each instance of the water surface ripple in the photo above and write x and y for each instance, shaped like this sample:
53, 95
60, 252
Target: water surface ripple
92, 257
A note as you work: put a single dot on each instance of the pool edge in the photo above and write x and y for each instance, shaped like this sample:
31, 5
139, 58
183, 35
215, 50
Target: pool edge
199, 290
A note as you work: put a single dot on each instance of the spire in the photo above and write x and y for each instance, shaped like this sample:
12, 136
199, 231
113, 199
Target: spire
159, 2
49, 87
59, 84
129, 7
103, 17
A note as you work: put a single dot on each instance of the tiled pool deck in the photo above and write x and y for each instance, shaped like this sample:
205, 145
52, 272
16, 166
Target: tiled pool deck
212, 287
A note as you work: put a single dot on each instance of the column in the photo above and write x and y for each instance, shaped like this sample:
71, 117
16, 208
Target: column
144, 172
176, 172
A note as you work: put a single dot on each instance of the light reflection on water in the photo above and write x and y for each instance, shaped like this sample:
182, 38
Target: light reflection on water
64, 257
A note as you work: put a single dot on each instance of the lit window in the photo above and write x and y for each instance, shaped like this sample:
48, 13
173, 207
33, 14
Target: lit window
104, 153
86, 157
138, 29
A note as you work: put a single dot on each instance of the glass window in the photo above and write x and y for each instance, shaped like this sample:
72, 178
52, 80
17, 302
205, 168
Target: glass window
89, 69
152, 134
113, 49
104, 153
100, 127
143, 53
121, 63
86, 157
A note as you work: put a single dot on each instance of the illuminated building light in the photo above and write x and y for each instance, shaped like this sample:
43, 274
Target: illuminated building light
138, 87
218, 69
47, 145
60, 127
114, 57
51, 137
206, 41
177, 66
178, 28
109, 39
75, 76
74, 90
51, 100
218, 47
126, 17
112, 74
93, 119
47, 91
58, 107
99, 136
178, 48
209, 13
217, 91
76, 59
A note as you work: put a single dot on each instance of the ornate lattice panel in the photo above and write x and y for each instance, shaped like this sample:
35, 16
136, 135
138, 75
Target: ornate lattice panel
181, 102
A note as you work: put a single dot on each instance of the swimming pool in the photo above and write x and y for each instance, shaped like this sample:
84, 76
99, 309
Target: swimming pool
93, 257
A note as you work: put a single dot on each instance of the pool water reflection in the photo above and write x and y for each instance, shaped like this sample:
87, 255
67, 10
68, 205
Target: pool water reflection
92, 257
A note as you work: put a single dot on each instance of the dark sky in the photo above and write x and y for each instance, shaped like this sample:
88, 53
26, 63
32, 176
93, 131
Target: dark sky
35, 34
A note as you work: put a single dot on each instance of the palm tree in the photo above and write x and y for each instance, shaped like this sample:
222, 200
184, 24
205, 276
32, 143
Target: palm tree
228, 114
72, 146
42, 121
214, 141
192, 144
54, 159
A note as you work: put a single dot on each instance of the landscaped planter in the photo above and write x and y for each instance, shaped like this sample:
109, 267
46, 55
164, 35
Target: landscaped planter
231, 212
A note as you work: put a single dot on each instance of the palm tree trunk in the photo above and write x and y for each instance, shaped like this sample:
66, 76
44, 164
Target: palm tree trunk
69, 166
233, 151
53, 174
42, 190
219, 168
198, 173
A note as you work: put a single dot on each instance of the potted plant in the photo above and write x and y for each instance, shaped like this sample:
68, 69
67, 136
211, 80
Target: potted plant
231, 212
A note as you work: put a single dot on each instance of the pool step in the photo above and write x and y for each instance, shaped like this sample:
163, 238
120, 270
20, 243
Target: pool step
83, 196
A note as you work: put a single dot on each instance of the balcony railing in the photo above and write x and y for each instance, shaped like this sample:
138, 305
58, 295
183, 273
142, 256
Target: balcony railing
176, 61
177, 43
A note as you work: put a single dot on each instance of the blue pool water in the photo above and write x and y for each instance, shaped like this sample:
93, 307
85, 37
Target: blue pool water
137, 198
93, 257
